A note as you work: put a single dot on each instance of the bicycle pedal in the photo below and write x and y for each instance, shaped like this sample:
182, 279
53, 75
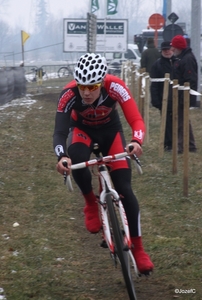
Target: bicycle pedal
103, 244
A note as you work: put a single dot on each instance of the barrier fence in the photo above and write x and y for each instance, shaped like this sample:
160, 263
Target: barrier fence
139, 83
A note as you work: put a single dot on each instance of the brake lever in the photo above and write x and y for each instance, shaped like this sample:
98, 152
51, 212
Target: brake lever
65, 173
134, 157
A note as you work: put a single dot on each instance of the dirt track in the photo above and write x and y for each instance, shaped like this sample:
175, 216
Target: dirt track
57, 258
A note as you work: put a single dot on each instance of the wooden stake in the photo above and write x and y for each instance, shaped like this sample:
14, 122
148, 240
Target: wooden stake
164, 114
175, 126
146, 106
140, 98
186, 139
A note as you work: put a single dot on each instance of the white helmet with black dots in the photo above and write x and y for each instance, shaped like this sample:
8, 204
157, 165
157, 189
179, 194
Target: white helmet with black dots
91, 68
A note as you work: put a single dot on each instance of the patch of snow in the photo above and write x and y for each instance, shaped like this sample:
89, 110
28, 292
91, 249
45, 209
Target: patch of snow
18, 102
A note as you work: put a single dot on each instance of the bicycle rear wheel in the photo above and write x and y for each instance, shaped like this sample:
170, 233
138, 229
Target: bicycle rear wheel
123, 255
64, 72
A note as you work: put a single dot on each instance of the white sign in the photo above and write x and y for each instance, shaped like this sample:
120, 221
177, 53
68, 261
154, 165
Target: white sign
110, 38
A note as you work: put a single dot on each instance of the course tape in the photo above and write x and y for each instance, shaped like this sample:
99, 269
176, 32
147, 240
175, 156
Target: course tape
192, 92
180, 87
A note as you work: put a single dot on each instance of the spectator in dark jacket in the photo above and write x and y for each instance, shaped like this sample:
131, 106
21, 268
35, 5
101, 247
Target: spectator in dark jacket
149, 56
185, 70
163, 65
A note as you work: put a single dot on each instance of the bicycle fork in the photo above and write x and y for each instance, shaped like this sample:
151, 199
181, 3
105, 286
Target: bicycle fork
107, 188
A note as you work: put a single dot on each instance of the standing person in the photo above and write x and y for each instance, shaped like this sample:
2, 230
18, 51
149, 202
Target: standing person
149, 56
86, 114
161, 66
185, 70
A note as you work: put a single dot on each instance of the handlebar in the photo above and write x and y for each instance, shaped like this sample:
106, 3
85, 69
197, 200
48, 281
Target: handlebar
99, 161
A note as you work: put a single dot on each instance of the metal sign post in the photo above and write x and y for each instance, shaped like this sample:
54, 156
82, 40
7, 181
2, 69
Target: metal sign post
91, 32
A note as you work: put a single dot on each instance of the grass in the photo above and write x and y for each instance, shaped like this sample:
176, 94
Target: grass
50, 255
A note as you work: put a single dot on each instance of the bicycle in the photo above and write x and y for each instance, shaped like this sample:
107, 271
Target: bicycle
115, 228
64, 72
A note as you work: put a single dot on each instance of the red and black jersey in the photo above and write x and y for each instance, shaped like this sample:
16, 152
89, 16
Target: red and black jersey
102, 114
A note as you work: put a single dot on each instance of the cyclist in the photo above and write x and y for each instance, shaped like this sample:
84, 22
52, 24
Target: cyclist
86, 114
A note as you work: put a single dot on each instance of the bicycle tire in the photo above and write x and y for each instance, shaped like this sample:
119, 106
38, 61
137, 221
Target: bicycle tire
63, 72
119, 245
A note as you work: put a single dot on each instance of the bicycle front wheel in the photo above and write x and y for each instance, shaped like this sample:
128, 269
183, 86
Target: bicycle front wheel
123, 255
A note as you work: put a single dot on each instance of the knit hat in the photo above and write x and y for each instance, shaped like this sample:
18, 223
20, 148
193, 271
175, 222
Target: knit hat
165, 46
179, 42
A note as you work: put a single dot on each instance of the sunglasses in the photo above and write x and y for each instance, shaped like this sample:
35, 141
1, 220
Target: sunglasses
91, 88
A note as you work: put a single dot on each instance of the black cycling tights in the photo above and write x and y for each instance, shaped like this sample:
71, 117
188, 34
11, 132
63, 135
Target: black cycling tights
121, 179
